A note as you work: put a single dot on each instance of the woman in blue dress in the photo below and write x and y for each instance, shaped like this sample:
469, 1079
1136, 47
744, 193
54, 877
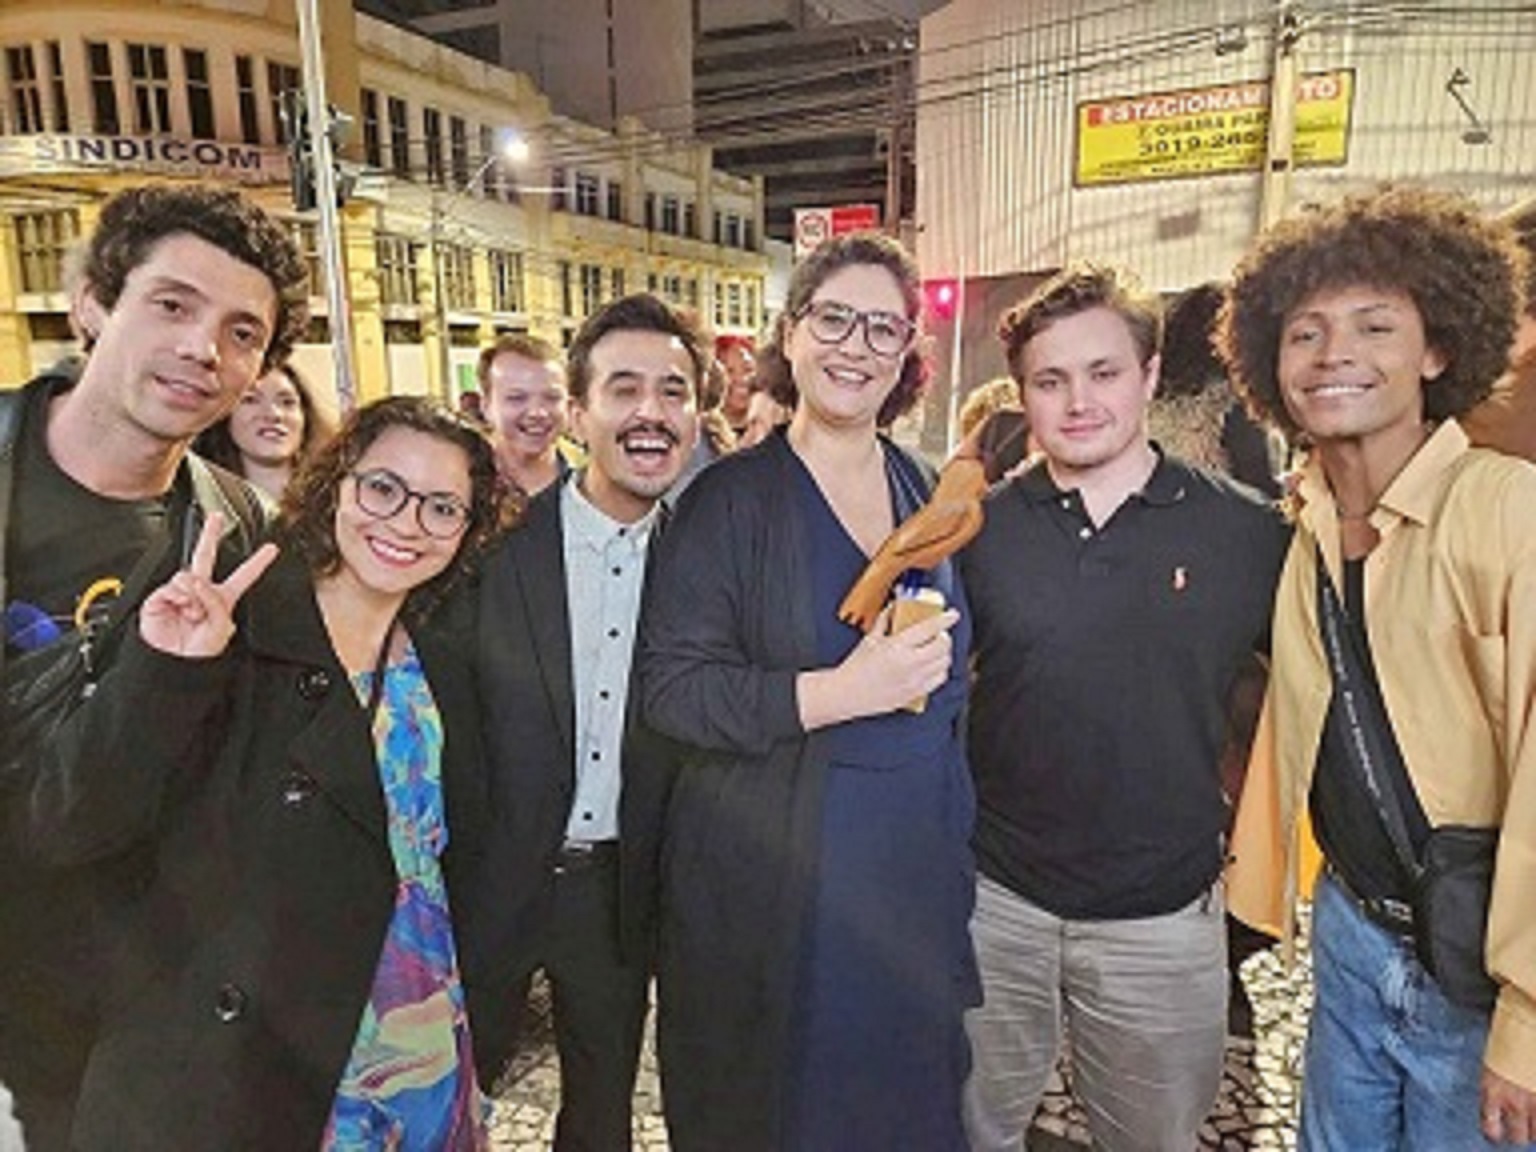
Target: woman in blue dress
814, 960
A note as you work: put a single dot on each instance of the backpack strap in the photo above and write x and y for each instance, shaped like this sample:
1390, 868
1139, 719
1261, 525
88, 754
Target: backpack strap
215, 489
12, 404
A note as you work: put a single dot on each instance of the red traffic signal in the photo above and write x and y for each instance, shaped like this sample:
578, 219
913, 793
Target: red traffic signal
942, 297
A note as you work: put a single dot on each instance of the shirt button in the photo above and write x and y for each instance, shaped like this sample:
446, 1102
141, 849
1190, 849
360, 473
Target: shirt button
229, 1004
618, 571
297, 788
1066, 502
604, 694
613, 633
314, 683
597, 755
1084, 532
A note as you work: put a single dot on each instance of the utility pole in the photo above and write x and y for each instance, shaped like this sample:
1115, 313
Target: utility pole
1280, 150
896, 146
329, 232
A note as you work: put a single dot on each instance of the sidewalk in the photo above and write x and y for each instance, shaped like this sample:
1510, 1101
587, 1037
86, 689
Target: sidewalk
1256, 1108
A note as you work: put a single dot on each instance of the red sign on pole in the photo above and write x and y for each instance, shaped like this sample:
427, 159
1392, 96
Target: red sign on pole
813, 225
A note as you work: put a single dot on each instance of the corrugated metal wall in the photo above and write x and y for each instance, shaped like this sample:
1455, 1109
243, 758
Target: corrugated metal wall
1000, 80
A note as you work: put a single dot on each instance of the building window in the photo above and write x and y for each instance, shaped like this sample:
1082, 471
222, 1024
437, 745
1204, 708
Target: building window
557, 196
458, 152
732, 231
199, 93
733, 305
691, 292
563, 269
399, 138
719, 233
751, 319
672, 288
591, 288
650, 211
432, 130
458, 276
616, 279
397, 258
690, 219
151, 81
373, 141
615, 201
26, 93
669, 216
281, 78
719, 305
506, 280
588, 193
103, 89
245, 87
56, 81
749, 235
42, 240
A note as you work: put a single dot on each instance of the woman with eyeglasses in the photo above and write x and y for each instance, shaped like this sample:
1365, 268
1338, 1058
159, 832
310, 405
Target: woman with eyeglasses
814, 961
299, 768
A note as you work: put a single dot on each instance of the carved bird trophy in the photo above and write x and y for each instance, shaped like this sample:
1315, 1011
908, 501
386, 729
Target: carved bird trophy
941, 527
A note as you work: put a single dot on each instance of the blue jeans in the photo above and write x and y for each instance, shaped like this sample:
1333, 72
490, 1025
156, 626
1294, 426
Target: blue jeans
1390, 1062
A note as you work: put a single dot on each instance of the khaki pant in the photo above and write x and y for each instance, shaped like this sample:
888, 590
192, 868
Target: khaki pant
1145, 1002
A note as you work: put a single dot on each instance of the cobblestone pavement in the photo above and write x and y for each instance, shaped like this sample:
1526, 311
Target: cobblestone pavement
1256, 1109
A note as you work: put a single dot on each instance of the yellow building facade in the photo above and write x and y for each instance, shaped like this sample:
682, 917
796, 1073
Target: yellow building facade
445, 243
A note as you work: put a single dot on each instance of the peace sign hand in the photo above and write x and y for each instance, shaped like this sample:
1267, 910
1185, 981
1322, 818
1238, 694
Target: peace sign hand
191, 615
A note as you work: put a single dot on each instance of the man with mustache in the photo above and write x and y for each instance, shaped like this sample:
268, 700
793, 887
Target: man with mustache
577, 792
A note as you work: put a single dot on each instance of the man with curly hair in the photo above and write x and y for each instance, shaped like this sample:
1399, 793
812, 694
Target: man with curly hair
185, 296
1365, 329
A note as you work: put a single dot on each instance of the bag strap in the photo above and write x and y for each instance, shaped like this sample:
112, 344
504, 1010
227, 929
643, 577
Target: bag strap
12, 404
1373, 746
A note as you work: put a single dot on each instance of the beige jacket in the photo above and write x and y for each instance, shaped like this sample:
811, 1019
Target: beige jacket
1450, 595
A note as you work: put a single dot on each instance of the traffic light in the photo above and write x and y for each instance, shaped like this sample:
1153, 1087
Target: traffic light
941, 297
301, 155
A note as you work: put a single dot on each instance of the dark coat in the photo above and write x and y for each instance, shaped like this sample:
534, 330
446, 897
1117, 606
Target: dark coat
246, 934
726, 629
521, 637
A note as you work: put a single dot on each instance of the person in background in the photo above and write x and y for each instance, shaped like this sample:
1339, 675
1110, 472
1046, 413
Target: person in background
764, 415
739, 359
715, 437
523, 379
1117, 592
276, 427
814, 964
1368, 326
1196, 415
295, 766
569, 880
993, 427
184, 296
1507, 419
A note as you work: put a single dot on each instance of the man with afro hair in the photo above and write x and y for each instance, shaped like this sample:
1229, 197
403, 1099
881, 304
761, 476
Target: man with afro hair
1404, 658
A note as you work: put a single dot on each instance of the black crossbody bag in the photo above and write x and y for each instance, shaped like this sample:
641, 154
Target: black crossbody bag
1453, 875
40, 690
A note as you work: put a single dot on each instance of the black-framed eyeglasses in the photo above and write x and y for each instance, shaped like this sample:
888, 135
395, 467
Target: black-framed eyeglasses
382, 494
885, 333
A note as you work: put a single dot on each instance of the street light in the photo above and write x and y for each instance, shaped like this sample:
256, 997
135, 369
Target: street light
514, 150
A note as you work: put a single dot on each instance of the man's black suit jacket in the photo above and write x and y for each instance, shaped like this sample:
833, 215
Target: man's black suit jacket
522, 640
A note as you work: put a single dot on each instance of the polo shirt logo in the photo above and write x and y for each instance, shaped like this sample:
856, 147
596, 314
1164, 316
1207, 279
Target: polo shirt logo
1180, 578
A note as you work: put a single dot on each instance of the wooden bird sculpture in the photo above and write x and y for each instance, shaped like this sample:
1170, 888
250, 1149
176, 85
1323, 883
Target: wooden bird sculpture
941, 527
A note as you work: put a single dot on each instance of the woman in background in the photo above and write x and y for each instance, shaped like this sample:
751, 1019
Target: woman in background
271, 432
815, 959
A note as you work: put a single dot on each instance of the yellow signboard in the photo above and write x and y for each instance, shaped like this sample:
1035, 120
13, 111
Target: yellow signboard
1207, 131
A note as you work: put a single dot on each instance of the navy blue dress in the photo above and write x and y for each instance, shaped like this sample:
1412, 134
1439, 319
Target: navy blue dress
887, 970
